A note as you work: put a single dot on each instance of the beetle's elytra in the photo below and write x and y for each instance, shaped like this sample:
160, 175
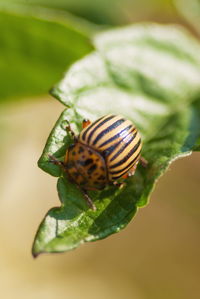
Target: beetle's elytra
104, 151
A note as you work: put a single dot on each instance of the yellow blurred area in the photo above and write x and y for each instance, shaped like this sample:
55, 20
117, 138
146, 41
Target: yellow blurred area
156, 256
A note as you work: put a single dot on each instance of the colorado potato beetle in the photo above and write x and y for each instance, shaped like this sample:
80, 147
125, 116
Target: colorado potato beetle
106, 150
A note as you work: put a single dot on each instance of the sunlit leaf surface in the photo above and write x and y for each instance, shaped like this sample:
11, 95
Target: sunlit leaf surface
151, 75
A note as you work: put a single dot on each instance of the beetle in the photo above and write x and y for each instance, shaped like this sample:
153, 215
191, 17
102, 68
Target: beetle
105, 151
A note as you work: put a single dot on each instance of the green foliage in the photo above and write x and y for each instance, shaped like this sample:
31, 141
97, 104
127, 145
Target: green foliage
190, 10
98, 11
112, 12
151, 75
37, 48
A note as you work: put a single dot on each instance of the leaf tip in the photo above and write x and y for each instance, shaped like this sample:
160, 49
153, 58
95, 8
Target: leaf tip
52, 91
34, 255
55, 92
34, 252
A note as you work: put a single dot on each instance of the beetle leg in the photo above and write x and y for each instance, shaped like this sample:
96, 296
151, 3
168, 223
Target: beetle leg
132, 170
66, 157
56, 162
69, 129
87, 198
85, 123
119, 185
144, 162
89, 201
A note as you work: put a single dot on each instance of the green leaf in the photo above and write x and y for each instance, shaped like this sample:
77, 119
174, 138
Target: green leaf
35, 49
98, 11
190, 10
151, 75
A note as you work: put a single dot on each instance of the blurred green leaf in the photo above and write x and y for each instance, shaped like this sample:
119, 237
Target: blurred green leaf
112, 12
98, 11
151, 75
35, 50
190, 10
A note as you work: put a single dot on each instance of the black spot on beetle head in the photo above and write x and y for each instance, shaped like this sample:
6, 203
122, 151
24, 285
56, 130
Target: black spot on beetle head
81, 150
92, 168
88, 162
101, 177
85, 162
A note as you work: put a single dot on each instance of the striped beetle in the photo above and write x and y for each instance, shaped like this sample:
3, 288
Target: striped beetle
104, 151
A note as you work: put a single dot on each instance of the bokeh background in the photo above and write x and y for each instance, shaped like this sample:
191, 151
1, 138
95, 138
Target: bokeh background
156, 256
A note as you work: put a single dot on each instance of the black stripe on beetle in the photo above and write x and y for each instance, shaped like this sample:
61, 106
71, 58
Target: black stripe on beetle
108, 130
121, 134
108, 151
90, 126
125, 169
98, 126
123, 147
132, 151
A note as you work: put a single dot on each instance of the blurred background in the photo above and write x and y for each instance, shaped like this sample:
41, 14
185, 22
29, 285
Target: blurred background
157, 255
